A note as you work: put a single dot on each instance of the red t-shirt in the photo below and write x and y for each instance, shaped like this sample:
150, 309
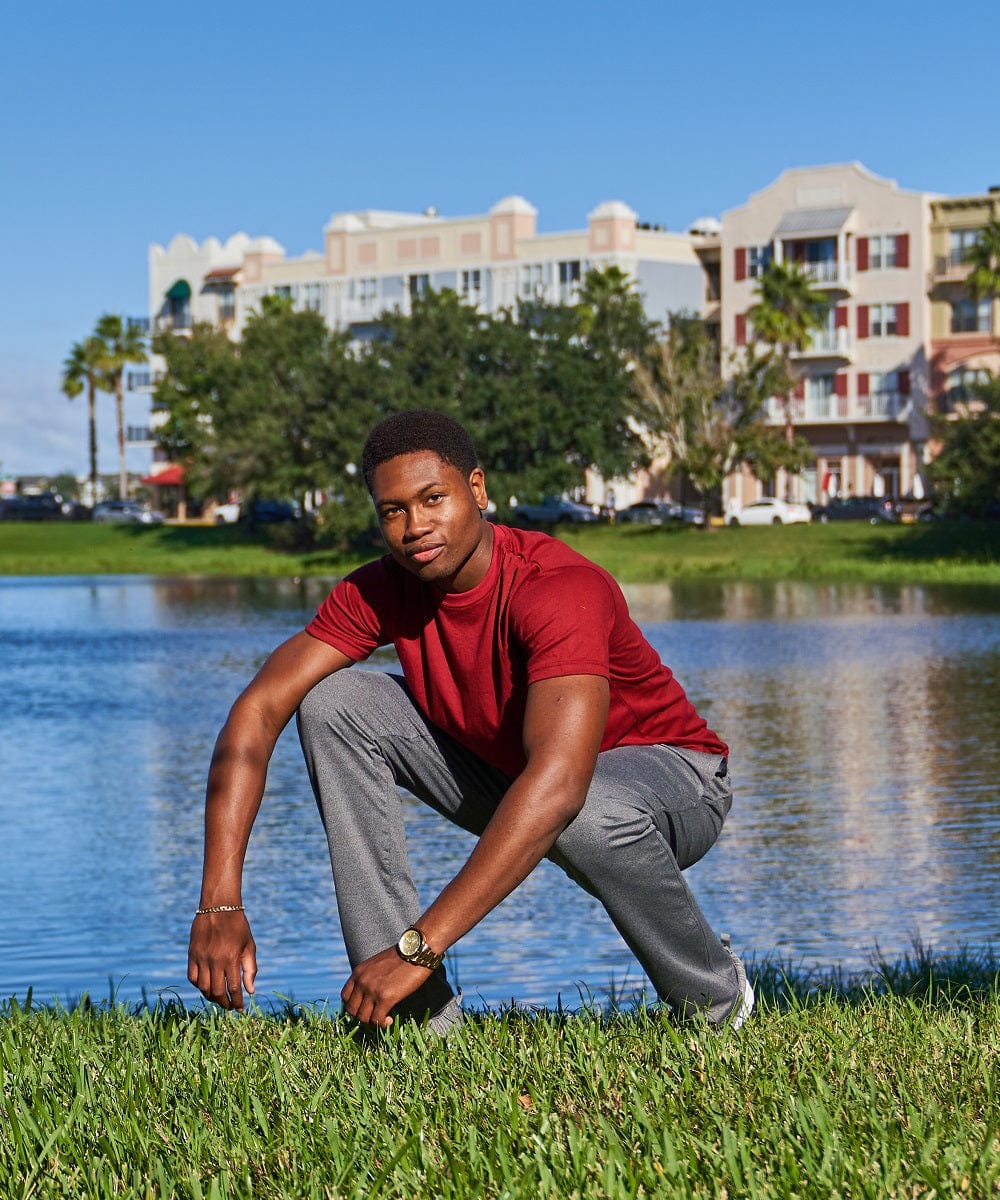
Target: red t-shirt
541, 610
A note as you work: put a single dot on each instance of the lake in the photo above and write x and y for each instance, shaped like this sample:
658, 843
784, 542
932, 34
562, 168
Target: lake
863, 722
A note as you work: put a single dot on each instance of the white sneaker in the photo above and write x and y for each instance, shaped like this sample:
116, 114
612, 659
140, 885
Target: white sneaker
744, 1005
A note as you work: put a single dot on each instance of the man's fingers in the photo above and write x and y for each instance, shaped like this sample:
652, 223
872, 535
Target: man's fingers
248, 964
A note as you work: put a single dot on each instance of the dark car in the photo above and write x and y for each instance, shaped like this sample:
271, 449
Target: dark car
269, 512
554, 511
660, 512
45, 506
876, 510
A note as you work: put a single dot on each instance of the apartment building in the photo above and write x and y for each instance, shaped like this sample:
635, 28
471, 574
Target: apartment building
864, 383
964, 346
375, 261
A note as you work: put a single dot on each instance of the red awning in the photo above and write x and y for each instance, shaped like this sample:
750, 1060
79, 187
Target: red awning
172, 476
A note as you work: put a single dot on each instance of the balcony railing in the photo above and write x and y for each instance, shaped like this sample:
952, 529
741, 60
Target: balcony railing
830, 273
829, 343
142, 381
878, 406
953, 265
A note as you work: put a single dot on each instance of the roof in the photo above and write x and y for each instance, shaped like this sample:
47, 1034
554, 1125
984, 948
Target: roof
170, 476
814, 220
221, 274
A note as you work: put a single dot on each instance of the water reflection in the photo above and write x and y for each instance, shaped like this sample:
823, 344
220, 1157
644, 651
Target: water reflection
865, 750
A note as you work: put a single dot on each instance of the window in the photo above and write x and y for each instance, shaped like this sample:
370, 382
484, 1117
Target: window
312, 297
962, 380
960, 242
882, 252
227, 304
364, 290
472, 286
569, 280
883, 320
532, 281
569, 272
971, 316
284, 291
758, 258
819, 395
419, 285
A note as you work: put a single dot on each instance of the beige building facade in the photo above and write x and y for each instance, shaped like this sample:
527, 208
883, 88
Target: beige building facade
964, 346
863, 385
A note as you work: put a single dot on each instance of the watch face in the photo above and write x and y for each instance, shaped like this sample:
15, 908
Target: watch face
410, 942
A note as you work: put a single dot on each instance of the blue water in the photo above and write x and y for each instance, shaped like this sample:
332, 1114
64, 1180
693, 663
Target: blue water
863, 721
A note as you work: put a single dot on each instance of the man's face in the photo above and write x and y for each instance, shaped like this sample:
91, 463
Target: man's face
431, 519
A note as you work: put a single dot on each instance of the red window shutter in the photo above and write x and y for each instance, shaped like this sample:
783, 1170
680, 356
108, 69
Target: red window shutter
903, 382
840, 383
902, 249
741, 263
799, 391
840, 316
862, 254
862, 383
902, 320
862, 320
741, 329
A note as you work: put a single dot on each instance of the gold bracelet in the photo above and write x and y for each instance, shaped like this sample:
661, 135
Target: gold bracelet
198, 912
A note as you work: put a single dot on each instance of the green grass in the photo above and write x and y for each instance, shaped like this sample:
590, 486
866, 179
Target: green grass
952, 552
835, 1088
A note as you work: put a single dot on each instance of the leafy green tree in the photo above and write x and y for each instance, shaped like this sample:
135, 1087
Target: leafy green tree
123, 344
984, 259
611, 316
541, 403
966, 472
708, 424
83, 368
788, 311
201, 372
65, 484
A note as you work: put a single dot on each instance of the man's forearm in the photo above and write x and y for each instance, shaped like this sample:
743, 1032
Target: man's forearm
524, 828
235, 786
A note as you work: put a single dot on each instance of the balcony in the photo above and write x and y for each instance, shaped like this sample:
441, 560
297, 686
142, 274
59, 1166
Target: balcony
829, 343
827, 410
142, 381
831, 273
952, 267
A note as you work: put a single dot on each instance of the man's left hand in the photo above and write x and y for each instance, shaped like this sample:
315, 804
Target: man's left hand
378, 984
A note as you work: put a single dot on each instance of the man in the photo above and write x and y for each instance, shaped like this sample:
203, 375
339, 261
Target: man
531, 712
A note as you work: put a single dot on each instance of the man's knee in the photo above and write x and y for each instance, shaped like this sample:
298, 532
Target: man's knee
344, 697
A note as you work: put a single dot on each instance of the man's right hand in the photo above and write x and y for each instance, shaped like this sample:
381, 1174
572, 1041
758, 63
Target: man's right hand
222, 957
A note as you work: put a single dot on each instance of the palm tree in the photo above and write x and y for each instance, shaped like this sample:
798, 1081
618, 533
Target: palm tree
984, 258
789, 310
83, 368
123, 344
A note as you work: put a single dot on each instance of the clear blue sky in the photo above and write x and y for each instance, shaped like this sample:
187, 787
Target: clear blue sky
122, 125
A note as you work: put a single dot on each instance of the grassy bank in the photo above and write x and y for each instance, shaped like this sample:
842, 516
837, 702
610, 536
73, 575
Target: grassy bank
831, 1090
960, 552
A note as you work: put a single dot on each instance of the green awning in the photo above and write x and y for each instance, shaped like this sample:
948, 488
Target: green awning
181, 290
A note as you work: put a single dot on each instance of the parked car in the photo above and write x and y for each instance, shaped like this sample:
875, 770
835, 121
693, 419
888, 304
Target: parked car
876, 510
227, 514
771, 511
43, 506
264, 511
126, 512
660, 512
554, 511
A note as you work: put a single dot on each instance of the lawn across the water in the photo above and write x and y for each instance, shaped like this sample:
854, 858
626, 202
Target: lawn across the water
940, 552
829, 1090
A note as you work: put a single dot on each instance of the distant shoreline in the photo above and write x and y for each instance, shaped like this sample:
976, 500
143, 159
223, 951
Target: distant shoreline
960, 552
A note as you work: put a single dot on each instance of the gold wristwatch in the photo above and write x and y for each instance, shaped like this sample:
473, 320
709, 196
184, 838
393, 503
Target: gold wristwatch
413, 949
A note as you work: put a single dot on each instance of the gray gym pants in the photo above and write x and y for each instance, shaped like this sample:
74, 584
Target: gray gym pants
651, 811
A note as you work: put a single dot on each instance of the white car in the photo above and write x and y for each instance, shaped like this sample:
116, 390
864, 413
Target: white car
771, 511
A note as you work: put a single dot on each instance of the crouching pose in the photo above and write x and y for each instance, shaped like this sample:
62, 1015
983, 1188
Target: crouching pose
530, 711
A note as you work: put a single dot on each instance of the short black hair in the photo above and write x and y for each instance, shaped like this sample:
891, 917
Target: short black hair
414, 430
